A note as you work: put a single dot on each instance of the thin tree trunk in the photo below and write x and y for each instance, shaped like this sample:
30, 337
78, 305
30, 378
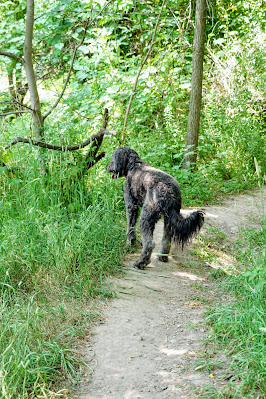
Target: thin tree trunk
11, 87
196, 86
31, 79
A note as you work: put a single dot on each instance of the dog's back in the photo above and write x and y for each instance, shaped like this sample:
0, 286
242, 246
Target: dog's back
154, 187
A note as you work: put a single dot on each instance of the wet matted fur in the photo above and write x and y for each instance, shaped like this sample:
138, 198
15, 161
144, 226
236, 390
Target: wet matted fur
158, 194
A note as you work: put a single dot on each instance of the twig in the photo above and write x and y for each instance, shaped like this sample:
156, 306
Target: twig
138, 74
150, 288
88, 24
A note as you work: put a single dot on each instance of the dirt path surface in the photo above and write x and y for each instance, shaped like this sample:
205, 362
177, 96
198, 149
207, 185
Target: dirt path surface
151, 339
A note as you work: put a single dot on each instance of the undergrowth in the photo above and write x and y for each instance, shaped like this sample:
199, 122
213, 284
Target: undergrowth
239, 325
57, 249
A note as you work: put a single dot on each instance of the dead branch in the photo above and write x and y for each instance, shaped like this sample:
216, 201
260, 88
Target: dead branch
95, 141
55, 147
138, 74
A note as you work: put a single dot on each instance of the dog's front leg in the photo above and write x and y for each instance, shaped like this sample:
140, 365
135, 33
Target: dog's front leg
145, 256
132, 216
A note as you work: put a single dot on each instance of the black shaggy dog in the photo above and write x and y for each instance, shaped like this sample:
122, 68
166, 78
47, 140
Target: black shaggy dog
159, 195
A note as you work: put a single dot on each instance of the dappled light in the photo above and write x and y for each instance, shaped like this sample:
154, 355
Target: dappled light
188, 276
223, 261
173, 352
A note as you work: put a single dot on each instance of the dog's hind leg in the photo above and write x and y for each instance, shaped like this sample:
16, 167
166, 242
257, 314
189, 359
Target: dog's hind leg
148, 220
165, 245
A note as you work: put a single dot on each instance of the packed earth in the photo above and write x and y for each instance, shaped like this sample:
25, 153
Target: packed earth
150, 342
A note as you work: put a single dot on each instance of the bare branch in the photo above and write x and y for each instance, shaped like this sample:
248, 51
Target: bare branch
87, 25
95, 141
138, 74
12, 56
15, 112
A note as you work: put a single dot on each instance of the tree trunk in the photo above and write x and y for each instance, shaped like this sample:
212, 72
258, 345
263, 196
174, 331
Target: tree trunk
28, 65
11, 87
196, 86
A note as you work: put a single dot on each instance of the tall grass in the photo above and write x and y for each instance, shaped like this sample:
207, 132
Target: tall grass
58, 245
240, 326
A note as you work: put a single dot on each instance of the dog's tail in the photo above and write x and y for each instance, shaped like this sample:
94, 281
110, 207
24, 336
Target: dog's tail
183, 229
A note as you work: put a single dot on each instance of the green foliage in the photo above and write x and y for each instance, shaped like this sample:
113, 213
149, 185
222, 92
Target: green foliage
239, 325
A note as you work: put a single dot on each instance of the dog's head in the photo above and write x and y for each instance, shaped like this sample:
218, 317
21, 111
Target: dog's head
123, 160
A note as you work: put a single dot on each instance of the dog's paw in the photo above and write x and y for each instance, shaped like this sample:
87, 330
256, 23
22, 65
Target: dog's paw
140, 265
163, 258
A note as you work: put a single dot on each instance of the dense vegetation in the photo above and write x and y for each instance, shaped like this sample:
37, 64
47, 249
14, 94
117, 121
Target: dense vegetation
239, 327
61, 233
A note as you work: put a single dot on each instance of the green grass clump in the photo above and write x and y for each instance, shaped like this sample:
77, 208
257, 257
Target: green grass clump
29, 362
57, 249
240, 326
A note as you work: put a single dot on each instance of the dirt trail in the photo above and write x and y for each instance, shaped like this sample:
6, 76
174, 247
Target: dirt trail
152, 334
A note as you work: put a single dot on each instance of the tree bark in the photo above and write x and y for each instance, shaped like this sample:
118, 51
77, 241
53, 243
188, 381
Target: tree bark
31, 79
11, 87
196, 86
